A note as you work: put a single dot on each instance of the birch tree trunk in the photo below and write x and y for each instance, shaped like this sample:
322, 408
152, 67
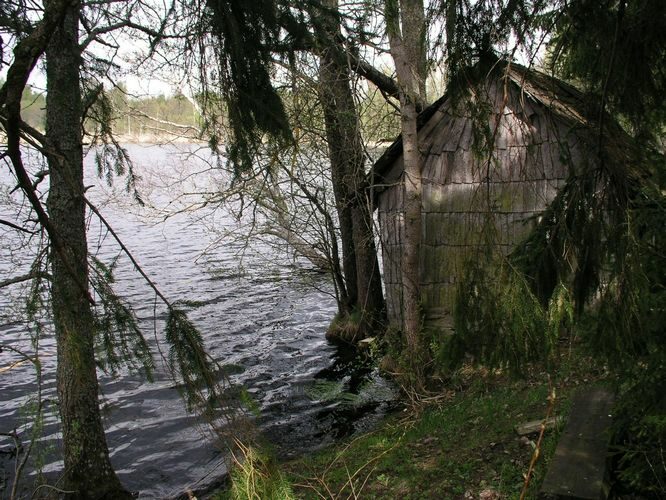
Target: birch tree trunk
88, 472
406, 29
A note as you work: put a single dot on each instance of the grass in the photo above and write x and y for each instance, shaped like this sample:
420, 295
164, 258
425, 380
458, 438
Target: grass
460, 444
255, 476
346, 327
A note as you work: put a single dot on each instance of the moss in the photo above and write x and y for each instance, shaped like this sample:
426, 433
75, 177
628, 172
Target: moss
346, 327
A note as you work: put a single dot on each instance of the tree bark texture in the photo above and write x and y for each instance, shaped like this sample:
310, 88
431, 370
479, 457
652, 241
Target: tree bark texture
88, 472
406, 28
346, 154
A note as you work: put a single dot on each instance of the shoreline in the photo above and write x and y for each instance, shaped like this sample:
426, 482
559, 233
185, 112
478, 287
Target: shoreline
153, 139
157, 139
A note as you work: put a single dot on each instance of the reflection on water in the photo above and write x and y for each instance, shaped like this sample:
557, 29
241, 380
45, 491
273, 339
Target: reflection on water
258, 318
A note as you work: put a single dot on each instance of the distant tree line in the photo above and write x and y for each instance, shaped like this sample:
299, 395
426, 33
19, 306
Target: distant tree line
154, 116
131, 115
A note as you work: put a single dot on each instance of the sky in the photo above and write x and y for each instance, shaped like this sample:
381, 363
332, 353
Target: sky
150, 82
129, 47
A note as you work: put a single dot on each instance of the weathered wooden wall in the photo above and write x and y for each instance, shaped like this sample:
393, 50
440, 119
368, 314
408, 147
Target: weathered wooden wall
467, 184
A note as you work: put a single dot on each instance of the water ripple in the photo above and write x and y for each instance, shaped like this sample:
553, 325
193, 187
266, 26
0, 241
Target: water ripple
258, 320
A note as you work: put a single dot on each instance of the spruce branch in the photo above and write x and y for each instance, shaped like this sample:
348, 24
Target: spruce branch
118, 337
187, 355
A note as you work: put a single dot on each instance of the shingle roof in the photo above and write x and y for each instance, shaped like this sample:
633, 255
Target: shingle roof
560, 99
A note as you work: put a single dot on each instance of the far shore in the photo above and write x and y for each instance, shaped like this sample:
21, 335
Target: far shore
147, 138
140, 139
164, 138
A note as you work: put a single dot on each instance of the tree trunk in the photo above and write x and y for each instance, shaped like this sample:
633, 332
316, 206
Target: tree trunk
370, 297
451, 25
349, 183
407, 47
88, 471
412, 240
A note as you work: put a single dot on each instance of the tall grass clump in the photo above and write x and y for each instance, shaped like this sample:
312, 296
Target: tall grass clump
254, 476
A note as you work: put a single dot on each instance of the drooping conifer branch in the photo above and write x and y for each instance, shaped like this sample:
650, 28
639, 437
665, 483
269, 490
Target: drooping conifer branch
187, 355
245, 33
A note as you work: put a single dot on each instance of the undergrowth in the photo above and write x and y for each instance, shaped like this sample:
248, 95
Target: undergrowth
255, 476
458, 444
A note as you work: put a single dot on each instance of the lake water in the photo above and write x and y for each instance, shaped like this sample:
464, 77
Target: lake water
262, 316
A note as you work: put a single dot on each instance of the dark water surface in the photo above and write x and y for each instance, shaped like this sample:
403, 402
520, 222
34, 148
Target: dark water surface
260, 316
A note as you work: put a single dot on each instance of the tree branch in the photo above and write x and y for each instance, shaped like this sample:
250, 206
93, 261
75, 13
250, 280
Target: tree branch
96, 32
25, 277
126, 251
26, 54
15, 226
383, 82
180, 126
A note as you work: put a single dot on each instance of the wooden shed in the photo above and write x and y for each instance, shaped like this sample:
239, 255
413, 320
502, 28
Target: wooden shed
494, 152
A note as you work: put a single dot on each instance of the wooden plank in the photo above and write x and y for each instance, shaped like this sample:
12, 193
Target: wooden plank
441, 173
427, 130
437, 200
467, 136
441, 132
525, 104
431, 167
534, 426
458, 166
578, 468
449, 142
502, 139
515, 158
520, 131
545, 125
434, 231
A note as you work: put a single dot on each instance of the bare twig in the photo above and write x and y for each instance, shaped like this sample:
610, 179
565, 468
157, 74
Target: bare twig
351, 477
537, 449
21, 463
50, 487
15, 226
